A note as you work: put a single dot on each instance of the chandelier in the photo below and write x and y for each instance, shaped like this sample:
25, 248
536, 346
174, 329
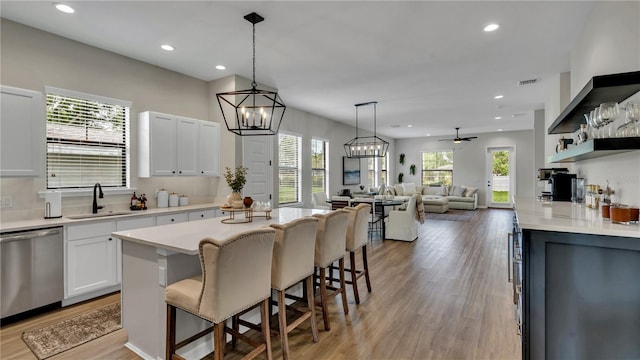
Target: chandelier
366, 146
253, 111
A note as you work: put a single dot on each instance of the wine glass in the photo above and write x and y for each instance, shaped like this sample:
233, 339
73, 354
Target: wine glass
633, 114
609, 112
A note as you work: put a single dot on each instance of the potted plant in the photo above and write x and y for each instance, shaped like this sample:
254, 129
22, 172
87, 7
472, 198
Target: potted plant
236, 181
402, 159
412, 169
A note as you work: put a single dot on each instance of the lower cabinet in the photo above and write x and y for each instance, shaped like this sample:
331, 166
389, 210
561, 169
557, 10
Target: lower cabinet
91, 258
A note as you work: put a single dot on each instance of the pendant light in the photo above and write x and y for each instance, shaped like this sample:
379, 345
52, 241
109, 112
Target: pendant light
253, 111
366, 146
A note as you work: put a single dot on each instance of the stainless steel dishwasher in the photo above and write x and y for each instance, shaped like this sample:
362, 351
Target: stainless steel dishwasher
32, 270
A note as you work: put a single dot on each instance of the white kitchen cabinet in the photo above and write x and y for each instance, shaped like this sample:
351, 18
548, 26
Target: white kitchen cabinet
202, 214
170, 145
91, 258
22, 132
172, 218
209, 148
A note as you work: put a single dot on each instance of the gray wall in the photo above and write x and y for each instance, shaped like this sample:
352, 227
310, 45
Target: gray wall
469, 159
32, 59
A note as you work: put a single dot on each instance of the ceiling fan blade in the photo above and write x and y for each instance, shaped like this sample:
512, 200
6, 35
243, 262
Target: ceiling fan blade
447, 140
469, 138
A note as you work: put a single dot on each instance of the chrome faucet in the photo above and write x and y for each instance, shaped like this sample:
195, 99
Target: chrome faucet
95, 207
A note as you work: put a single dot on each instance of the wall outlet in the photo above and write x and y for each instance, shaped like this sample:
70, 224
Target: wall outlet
6, 201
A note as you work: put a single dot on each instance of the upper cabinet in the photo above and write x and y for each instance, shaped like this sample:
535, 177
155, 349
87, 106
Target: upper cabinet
600, 89
170, 145
22, 132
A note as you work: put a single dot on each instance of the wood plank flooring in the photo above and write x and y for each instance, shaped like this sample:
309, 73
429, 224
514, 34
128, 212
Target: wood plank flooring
444, 296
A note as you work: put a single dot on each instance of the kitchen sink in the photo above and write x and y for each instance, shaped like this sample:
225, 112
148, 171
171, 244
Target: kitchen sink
98, 215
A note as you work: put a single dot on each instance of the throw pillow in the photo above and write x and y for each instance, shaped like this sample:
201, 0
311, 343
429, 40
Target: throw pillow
444, 191
419, 189
390, 191
470, 191
382, 189
399, 189
408, 189
431, 190
459, 191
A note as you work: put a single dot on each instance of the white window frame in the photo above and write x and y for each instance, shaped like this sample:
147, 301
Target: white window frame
422, 171
88, 190
326, 163
298, 168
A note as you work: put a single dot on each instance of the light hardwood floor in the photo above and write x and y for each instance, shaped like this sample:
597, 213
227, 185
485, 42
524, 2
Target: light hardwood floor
444, 296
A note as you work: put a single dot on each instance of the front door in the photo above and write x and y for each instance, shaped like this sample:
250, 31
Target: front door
257, 156
501, 176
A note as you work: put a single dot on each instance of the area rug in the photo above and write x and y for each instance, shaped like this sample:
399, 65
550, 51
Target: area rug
64, 335
452, 215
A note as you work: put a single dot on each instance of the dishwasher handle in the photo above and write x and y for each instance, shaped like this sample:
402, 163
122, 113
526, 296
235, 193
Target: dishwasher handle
28, 235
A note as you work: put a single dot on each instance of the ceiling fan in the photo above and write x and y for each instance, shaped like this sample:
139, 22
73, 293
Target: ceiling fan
458, 139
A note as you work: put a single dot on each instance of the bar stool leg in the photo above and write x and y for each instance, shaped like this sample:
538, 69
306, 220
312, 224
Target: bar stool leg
312, 308
218, 341
282, 319
323, 298
354, 276
343, 287
365, 265
171, 332
264, 318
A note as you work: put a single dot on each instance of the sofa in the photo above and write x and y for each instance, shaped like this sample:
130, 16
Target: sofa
438, 199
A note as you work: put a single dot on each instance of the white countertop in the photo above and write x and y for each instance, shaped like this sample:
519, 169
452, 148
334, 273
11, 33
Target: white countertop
563, 216
185, 237
6, 226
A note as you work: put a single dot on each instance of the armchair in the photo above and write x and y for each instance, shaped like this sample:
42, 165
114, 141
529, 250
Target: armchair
319, 200
402, 224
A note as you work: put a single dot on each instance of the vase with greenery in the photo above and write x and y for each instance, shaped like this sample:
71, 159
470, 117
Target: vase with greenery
412, 169
400, 177
236, 181
402, 159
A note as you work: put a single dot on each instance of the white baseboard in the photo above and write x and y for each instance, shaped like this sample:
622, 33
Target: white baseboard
91, 295
139, 352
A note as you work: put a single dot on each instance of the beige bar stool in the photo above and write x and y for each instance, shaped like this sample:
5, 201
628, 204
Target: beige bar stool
357, 235
235, 276
330, 245
293, 253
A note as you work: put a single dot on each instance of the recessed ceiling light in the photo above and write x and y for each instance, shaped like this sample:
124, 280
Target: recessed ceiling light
64, 8
499, 129
167, 47
409, 126
428, 134
491, 27
220, 67
498, 97
498, 117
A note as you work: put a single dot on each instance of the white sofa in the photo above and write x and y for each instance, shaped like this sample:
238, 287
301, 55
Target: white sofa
437, 198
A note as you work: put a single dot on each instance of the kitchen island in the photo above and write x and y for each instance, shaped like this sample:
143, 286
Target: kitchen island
155, 257
576, 285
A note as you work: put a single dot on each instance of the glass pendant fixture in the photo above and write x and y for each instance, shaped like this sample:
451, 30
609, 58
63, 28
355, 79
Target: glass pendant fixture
366, 146
252, 112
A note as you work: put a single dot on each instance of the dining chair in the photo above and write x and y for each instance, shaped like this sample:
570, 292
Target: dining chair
329, 248
319, 200
357, 230
293, 255
235, 276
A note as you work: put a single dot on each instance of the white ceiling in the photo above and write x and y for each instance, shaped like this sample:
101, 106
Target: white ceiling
427, 63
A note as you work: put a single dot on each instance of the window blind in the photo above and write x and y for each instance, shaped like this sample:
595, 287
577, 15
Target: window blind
87, 140
383, 169
319, 165
289, 168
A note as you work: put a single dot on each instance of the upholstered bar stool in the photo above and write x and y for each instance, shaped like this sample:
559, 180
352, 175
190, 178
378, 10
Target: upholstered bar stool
293, 254
330, 245
357, 229
235, 276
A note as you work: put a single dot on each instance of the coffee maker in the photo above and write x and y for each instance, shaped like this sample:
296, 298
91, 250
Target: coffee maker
561, 186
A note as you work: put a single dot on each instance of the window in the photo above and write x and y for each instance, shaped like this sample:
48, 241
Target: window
319, 165
289, 168
87, 140
377, 170
371, 171
383, 169
437, 168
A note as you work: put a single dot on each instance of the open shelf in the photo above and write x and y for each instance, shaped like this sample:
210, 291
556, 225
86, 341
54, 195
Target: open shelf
596, 148
600, 89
